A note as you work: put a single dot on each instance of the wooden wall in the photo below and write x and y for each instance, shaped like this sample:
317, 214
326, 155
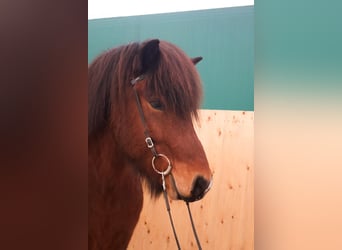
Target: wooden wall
224, 218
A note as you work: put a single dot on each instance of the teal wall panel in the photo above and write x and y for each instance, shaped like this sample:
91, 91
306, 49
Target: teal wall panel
223, 37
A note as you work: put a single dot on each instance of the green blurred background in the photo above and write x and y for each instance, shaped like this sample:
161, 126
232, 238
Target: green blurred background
223, 37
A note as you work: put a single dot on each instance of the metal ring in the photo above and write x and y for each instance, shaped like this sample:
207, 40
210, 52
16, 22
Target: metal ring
169, 167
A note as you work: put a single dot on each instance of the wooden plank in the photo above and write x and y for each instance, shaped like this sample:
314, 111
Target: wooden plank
224, 219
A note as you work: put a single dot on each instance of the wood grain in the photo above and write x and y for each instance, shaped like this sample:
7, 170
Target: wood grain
224, 219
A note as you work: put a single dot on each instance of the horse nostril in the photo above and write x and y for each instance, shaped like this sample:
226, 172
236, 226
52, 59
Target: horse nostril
199, 188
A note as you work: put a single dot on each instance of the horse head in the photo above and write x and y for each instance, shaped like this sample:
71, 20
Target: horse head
169, 92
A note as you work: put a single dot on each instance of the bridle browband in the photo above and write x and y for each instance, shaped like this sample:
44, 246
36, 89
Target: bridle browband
150, 145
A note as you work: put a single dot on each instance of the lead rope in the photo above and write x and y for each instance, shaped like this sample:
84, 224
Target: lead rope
169, 212
150, 145
193, 227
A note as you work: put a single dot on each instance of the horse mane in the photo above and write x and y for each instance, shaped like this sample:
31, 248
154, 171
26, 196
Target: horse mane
174, 80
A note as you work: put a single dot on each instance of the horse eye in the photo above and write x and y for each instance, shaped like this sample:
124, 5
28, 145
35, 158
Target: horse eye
157, 104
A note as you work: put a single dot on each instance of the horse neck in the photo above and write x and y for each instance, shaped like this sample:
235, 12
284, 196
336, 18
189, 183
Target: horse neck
101, 147
110, 175
105, 160
114, 192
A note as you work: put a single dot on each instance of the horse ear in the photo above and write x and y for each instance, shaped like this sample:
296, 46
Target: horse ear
196, 60
150, 55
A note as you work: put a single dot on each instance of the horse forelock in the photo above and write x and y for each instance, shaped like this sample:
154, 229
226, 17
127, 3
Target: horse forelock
175, 81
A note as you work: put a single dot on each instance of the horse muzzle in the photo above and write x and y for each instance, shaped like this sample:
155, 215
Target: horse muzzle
200, 187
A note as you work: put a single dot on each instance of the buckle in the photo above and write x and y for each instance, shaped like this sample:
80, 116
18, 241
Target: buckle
149, 142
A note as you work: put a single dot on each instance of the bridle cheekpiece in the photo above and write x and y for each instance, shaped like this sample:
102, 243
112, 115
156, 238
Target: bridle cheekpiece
150, 145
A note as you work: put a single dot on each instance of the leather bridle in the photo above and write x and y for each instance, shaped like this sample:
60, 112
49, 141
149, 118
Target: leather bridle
163, 173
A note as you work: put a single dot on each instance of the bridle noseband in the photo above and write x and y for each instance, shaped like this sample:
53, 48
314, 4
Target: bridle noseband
150, 145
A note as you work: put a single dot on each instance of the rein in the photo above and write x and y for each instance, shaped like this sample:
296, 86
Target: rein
150, 145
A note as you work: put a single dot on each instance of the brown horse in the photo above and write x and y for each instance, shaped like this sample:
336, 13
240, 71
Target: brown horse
168, 94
